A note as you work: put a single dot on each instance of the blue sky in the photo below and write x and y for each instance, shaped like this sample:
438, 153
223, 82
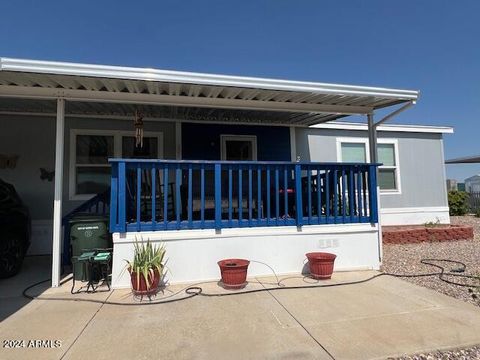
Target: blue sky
430, 45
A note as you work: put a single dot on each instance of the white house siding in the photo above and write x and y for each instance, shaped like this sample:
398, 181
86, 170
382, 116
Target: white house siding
32, 138
423, 194
193, 254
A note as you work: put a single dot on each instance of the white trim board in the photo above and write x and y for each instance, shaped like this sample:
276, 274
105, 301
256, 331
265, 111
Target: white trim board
343, 125
254, 231
147, 118
414, 215
340, 125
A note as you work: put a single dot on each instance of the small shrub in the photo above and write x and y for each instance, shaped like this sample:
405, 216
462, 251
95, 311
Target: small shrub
477, 213
457, 202
433, 223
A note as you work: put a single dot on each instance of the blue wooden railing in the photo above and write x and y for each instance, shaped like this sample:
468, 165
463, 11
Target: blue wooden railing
150, 195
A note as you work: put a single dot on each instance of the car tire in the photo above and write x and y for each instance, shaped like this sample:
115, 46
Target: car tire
11, 256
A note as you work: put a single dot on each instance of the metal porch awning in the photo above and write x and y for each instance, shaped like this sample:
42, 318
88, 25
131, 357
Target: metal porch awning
118, 91
464, 160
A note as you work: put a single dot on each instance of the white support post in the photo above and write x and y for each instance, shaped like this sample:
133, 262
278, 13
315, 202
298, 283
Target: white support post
372, 145
372, 139
57, 202
178, 140
293, 144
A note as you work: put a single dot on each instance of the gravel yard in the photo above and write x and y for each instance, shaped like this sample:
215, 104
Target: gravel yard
405, 259
459, 354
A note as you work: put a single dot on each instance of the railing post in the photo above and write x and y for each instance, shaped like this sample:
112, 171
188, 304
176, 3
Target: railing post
154, 196
139, 197
218, 196
178, 203
165, 197
113, 197
298, 194
372, 190
122, 218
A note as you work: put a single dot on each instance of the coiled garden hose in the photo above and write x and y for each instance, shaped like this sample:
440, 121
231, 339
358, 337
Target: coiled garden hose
196, 290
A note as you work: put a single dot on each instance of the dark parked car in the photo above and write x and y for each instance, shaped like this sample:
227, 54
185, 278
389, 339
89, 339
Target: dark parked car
15, 229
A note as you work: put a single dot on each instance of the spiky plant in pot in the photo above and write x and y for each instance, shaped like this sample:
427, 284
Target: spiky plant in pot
147, 267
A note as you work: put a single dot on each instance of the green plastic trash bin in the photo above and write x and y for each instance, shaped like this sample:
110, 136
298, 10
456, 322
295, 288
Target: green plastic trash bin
87, 232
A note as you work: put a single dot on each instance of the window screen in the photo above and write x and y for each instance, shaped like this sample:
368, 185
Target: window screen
354, 152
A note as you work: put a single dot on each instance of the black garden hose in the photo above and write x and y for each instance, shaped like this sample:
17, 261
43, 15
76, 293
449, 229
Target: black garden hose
196, 290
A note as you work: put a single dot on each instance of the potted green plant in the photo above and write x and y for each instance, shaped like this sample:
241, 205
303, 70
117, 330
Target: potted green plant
147, 268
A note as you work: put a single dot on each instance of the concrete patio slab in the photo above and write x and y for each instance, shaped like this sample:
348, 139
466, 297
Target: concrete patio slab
381, 318
34, 269
373, 320
242, 327
45, 320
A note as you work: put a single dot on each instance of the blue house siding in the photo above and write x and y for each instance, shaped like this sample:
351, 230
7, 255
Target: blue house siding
202, 141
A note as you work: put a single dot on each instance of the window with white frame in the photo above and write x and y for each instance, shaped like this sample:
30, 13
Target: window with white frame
89, 154
239, 147
388, 172
356, 150
92, 171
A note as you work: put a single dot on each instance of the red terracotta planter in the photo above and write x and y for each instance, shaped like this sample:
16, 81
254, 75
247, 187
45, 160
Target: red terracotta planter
321, 264
140, 288
234, 273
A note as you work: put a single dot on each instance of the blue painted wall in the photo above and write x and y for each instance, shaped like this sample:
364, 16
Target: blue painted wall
202, 141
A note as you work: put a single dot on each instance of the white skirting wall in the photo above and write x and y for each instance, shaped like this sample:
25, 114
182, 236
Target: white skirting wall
414, 216
193, 254
41, 239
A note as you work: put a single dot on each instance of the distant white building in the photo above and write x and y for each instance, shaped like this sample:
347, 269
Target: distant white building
472, 184
451, 184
